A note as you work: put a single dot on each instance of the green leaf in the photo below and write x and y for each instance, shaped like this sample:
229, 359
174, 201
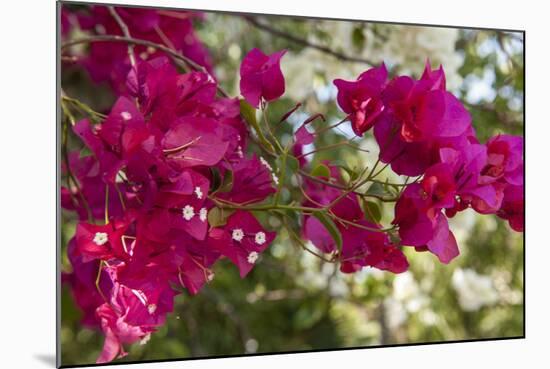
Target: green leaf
390, 187
292, 163
218, 217
376, 189
353, 175
216, 179
248, 112
330, 227
372, 211
227, 183
321, 170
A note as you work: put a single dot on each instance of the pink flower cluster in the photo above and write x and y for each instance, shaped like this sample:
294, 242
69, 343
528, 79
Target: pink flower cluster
364, 244
423, 130
144, 201
109, 61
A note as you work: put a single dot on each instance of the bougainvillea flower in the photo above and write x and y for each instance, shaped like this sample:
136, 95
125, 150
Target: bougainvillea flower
411, 214
184, 199
361, 99
439, 186
242, 240
303, 136
194, 270
150, 285
393, 260
124, 130
314, 231
420, 117
109, 162
85, 170
154, 84
82, 282
189, 262
101, 241
409, 159
261, 77
116, 332
467, 165
252, 181
321, 194
193, 142
362, 247
424, 109
513, 207
420, 224
108, 61
434, 78
128, 318
504, 160
443, 243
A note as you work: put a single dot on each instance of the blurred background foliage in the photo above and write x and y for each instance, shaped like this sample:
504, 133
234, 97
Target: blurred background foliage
294, 301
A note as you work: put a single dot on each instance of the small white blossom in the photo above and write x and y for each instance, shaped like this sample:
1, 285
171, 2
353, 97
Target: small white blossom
198, 192
237, 234
151, 308
101, 238
203, 214
188, 212
260, 238
252, 257
125, 115
275, 178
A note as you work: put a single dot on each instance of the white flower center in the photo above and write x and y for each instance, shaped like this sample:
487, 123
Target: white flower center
237, 235
260, 238
240, 152
151, 308
198, 192
252, 257
203, 214
188, 212
101, 238
125, 115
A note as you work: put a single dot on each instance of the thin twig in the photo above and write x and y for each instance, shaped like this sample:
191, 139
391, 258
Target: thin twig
187, 63
126, 32
268, 28
342, 187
